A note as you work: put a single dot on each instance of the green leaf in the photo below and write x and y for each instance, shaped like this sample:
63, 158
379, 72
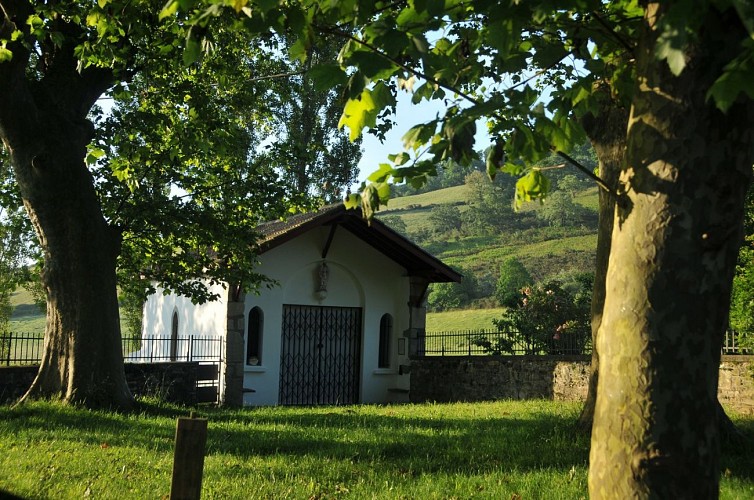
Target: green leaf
419, 135
745, 9
737, 78
400, 158
371, 64
327, 76
192, 51
93, 155
495, 158
362, 112
5, 55
533, 185
170, 8
352, 201
299, 50
384, 171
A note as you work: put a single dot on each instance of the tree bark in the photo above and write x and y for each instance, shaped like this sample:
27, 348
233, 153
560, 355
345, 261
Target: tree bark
82, 362
607, 133
669, 278
44, 127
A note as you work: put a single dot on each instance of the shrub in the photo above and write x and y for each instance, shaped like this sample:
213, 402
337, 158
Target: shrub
513, 277
445, 296
445, 218
742, 298
548, 320
395, 223
559, 210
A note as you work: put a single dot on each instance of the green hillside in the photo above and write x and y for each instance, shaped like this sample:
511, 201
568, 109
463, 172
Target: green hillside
548, 251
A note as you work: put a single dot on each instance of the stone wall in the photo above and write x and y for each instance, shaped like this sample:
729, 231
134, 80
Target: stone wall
174, 382
736, 386
562, 378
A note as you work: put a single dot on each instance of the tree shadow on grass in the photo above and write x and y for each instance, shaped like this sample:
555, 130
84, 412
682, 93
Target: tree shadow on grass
420, 444
394, 441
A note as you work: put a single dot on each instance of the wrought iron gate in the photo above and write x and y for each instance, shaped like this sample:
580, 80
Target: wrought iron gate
320, 355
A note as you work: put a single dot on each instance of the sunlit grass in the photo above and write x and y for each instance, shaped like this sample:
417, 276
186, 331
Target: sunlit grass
453, 194
467, 319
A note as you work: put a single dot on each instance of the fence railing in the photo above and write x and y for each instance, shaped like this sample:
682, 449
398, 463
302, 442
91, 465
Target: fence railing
27, 348
731, 344
494, 342
497, 342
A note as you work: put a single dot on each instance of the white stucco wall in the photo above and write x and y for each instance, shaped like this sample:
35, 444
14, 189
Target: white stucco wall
208, 319
359, 276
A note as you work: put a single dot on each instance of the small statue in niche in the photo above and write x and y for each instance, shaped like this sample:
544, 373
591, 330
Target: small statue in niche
324, 274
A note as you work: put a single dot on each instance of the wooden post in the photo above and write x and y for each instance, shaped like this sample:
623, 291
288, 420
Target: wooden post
188, 461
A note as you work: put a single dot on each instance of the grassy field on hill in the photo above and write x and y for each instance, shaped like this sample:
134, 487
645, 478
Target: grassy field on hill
26, 317
548, 252
462, 320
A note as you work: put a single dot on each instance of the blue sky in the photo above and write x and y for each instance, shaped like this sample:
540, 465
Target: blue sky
407, 115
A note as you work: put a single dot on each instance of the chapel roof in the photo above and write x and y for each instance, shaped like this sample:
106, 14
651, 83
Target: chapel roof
416, 261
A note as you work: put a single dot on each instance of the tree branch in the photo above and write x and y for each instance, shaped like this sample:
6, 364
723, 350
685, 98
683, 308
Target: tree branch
601, 183
278, 75
614, 33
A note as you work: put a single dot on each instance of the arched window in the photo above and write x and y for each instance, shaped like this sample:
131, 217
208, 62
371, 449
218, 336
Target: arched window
386, 333
254, 337
174, 337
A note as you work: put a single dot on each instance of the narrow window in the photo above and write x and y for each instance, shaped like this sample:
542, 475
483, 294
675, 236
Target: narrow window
254, 337
386, 332
174, 337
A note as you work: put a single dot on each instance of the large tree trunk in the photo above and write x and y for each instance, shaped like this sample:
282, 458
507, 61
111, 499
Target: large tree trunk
669, 277
607, 133
44, 127
82, 360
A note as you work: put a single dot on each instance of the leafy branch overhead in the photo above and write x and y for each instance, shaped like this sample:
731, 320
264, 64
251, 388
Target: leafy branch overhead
525, 73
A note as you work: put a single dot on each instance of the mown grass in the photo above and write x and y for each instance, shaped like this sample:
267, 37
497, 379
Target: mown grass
467, 319
511, 449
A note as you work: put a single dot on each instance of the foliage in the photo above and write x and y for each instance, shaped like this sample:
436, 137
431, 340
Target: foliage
395, 223
549, 319
475, 56
445, 218
444, 296
177, 170
309, 151
488, 210
14, 251
571, 184
514, 277
559, 210
742, 298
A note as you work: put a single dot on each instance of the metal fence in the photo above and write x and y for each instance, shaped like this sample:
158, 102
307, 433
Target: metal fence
27, 348
497, 342
731, 344
494, 342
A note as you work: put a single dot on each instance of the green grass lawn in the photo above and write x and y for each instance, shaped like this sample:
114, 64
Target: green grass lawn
467, 319
510, 449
